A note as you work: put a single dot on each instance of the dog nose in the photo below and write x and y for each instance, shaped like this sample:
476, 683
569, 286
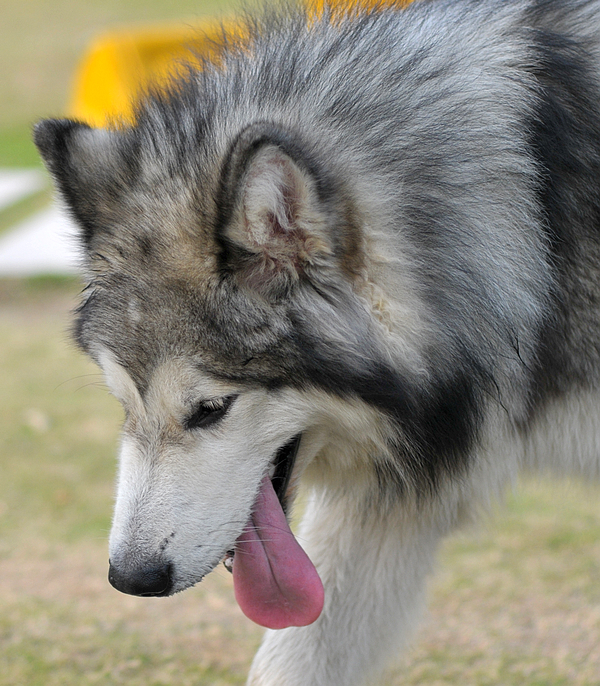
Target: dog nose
147, 581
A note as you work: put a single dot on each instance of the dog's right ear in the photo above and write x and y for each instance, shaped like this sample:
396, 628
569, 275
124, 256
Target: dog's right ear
86, 166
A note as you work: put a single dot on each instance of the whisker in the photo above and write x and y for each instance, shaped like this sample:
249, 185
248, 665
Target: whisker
76, 378
97, 384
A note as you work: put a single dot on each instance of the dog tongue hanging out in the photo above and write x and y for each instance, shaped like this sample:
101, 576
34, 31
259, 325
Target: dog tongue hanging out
276, 585
275, 582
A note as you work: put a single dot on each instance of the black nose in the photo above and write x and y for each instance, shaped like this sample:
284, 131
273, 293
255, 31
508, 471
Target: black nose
153, 580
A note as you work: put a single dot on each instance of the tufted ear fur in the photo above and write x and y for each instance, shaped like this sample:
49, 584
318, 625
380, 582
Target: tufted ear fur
278, 211
86, 165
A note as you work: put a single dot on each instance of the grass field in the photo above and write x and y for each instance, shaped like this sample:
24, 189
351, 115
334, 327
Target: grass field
517, 603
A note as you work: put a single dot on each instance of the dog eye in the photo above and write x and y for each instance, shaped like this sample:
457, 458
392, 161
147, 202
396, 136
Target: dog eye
209, 412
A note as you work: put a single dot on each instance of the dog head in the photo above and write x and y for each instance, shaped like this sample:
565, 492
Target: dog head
222, 306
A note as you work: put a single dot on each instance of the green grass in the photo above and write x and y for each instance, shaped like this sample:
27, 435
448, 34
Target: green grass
53, 410
16, 146
515, 603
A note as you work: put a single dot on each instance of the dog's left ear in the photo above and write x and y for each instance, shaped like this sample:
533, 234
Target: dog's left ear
278, 211
86, 166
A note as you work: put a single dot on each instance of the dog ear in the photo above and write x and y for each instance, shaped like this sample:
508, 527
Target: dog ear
277, 211
85, 164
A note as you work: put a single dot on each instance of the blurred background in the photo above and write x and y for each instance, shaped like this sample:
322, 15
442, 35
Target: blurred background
515, 602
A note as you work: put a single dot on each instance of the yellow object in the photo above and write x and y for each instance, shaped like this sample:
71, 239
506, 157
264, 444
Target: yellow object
119, 66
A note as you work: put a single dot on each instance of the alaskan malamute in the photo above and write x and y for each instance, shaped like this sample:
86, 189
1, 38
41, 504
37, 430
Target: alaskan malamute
359, 252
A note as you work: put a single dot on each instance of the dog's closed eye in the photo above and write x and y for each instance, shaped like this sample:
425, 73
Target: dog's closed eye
209, 412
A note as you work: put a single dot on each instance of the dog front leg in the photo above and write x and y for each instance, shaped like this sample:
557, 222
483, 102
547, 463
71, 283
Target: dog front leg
374, 561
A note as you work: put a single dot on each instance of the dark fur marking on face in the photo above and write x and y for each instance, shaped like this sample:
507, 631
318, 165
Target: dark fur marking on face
439, 422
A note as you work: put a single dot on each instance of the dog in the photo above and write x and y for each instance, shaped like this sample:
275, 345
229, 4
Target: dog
359, 252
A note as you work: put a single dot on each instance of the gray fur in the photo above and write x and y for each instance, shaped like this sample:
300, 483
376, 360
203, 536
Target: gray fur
441, 260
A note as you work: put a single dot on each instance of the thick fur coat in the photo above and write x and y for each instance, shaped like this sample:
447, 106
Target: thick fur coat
359, 252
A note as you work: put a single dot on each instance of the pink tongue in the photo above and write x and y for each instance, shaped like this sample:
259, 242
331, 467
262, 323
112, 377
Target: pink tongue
275, 583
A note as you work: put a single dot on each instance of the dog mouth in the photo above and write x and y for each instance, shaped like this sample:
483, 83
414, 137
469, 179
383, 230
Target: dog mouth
275, 583
282, 467
284, 463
